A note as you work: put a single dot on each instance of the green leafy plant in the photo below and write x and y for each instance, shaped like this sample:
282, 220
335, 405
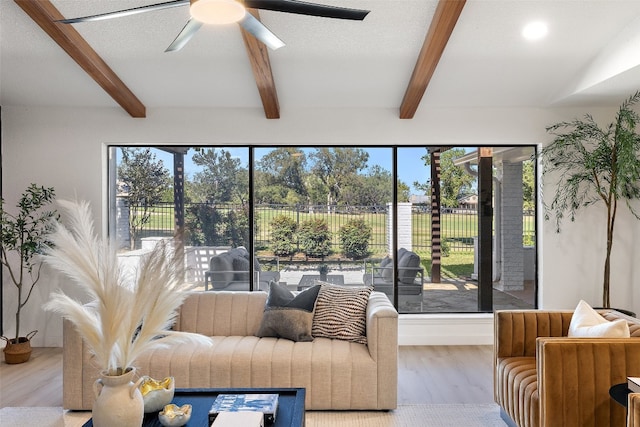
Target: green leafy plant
146, 181
591, 165
208, 225
283, 230
315, 238
25, 234
323, 269
445, 247
201, 223
354, 238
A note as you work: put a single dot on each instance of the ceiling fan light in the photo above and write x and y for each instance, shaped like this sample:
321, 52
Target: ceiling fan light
535, 30
217, 11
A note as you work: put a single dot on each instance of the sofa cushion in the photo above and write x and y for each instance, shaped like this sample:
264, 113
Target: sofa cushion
586, 322
240, 251
517, 389
386, 268
240, 268
408, 266
335, 374
222, 268
341, 312
288, 316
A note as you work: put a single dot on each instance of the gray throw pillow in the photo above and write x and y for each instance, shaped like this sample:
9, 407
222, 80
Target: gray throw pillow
287, 315
341, 313
408, 267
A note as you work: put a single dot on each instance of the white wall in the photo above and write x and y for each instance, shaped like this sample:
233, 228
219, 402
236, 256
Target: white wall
66, 149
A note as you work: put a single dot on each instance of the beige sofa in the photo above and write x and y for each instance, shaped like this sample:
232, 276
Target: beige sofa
336, 374
542, 378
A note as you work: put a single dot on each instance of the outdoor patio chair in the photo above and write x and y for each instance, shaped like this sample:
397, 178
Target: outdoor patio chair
410, 274
229, 271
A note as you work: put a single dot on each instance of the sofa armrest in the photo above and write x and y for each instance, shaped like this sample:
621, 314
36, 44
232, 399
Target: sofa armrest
71, 367
78, 370
516, 331
575, 375
382, 341
633, 410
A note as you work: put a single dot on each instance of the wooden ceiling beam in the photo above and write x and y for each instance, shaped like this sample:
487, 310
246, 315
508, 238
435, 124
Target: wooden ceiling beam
44, 13
442, 25
259, 58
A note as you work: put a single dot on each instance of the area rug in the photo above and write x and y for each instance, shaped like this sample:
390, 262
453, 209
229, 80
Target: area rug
457, 415
42, 417
449, 415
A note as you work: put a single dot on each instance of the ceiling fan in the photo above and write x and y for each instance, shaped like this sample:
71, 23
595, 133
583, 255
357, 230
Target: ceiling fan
230, 11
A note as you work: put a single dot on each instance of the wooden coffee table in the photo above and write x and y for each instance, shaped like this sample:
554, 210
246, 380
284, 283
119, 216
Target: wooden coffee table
290, 405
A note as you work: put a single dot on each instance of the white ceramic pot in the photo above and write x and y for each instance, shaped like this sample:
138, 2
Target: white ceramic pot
118, 401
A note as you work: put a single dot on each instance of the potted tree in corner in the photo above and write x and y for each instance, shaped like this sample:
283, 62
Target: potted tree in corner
24, 235
594, 165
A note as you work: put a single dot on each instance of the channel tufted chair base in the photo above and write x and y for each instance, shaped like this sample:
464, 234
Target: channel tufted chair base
542, 378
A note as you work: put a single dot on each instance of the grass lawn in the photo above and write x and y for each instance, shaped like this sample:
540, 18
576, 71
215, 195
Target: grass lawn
456, 265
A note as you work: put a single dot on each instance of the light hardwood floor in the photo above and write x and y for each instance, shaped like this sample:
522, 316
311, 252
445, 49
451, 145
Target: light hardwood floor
426, 374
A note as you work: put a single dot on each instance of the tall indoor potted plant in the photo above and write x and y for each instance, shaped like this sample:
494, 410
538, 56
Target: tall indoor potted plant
593, 165
24, 235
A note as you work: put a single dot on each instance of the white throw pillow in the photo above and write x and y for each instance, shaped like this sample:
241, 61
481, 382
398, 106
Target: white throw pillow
587, 323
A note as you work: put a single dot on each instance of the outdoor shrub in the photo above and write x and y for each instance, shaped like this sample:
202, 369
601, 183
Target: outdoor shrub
200, 225
354, 238
528, 240
235, 227
283, 230
205, 225
314, 238
445, 247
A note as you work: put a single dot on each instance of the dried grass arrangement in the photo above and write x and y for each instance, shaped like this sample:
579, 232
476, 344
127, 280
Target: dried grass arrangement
128, 315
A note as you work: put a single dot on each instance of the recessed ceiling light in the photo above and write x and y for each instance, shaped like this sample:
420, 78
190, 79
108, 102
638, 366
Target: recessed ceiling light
535, 30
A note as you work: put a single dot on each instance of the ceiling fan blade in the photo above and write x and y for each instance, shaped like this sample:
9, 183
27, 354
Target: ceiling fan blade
304, 8
259, 31
125, 12
188, 31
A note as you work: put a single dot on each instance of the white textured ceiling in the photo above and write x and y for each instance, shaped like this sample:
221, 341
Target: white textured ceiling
591, 56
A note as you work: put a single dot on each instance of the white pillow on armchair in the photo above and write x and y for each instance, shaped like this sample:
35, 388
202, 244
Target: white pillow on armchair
587, 323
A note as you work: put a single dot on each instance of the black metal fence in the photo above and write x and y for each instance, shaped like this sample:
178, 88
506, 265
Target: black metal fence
458, 226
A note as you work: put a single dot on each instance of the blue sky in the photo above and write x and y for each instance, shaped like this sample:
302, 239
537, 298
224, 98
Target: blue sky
410, 164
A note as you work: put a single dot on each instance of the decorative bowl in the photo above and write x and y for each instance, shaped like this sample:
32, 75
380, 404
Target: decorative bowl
156, 394
175, 416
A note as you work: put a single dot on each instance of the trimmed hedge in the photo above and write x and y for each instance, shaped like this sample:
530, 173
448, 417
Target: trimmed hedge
283, 232
314, 238
354, 238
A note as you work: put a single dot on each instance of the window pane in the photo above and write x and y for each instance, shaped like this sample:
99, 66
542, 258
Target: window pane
217, 214
322, 212
445, 227
327, 213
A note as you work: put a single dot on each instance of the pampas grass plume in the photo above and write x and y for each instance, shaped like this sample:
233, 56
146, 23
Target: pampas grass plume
128, 314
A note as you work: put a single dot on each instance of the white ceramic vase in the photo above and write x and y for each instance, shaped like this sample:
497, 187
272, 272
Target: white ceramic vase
118, 401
